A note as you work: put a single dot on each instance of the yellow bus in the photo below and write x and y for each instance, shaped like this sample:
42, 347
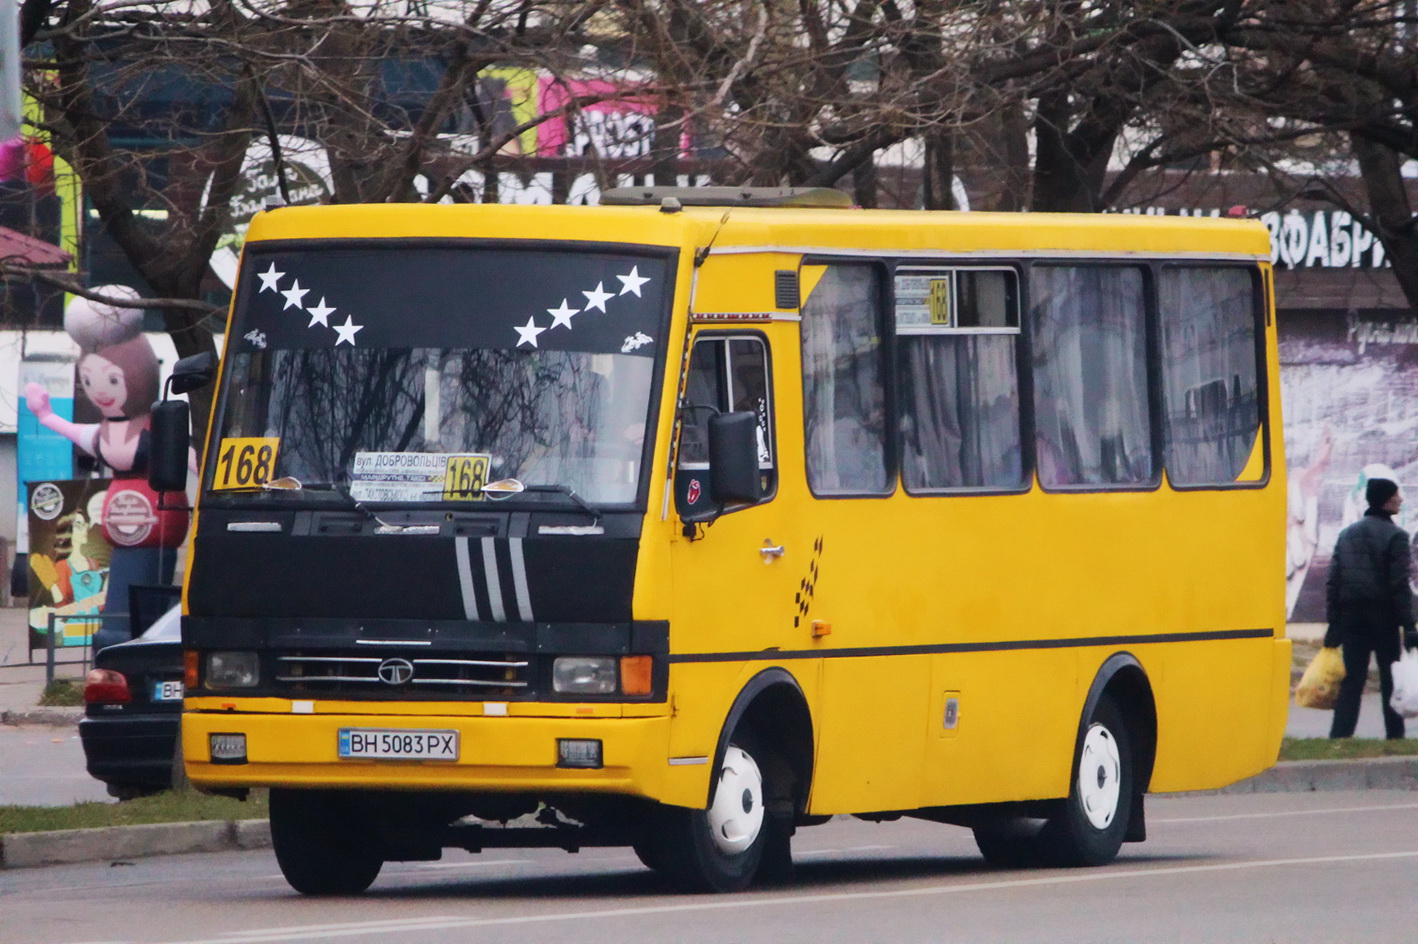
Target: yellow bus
700, 516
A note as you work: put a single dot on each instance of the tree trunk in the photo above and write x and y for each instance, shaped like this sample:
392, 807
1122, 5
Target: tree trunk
938, 172
1391, 211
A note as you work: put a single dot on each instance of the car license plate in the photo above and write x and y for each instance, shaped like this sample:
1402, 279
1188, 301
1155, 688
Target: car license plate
398, 744
167, 691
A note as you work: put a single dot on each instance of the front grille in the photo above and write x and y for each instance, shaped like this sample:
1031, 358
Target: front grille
327, 673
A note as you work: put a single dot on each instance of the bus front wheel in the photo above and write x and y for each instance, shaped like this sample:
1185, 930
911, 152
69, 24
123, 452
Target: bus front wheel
320, 849
1091, 823
719, 849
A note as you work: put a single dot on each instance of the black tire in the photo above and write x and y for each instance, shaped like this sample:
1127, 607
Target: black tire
683, 842
319, 844
1090, 825
1011, 845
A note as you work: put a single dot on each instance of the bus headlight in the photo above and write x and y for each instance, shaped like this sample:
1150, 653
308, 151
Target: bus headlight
584, 675
232, 670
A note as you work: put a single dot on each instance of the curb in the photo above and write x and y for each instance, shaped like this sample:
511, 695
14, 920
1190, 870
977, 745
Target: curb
25, 850
58, 717
1309, 776
111, 843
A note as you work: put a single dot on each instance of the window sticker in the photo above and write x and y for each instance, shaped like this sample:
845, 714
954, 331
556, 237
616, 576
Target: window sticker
246, 462
923, 301
418, 476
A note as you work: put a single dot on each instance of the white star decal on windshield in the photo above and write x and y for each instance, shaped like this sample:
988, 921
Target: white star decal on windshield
632, 282
270, 279
527, 334
320, 313
294, 294
562, 315
347, 331
598, 297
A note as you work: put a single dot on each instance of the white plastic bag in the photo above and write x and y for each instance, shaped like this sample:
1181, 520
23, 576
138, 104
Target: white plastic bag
1405, 684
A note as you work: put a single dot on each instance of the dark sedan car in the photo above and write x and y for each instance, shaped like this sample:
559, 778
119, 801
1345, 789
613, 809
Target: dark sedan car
133, 708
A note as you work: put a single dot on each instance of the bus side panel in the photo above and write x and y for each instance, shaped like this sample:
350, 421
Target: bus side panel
870, 757
1214, 714
1011, 738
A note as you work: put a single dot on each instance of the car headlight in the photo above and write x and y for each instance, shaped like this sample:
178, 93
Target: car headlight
584, 675
233, 670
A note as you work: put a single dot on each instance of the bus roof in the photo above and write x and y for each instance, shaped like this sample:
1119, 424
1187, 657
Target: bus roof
786, 229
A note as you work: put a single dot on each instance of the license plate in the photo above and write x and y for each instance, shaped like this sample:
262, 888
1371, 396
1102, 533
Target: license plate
167, 691
398, 744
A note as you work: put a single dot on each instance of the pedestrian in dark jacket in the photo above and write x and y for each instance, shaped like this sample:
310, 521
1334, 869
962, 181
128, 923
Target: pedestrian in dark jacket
1369, 598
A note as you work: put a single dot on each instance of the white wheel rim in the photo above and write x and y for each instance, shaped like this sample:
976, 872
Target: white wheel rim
736, 815
1099, 776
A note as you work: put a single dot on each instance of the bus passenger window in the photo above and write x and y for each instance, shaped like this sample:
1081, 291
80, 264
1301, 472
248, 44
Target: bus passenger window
844, 384
726, 374
1089, 343
958, 332
1209, 382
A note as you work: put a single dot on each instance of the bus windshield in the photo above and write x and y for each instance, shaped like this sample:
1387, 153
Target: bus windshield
410, 375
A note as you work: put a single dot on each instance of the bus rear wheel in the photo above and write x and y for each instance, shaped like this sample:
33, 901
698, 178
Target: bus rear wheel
1090, 825
320, 849
719, 849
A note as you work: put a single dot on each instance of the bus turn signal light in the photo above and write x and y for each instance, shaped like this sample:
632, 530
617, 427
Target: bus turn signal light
189, 669
635, 673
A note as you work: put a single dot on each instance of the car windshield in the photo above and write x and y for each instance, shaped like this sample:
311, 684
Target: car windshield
421, 374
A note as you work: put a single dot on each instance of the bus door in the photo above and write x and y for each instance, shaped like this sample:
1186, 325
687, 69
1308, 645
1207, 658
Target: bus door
736, 568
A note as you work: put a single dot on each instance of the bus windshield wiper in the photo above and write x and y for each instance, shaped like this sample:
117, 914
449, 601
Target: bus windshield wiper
504, 488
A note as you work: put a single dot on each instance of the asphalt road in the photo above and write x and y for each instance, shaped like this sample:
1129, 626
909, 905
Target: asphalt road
43, 765
1292, 868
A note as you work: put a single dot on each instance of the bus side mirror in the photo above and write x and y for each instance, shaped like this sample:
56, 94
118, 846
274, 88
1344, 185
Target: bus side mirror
169, 438
733, 458
193, 373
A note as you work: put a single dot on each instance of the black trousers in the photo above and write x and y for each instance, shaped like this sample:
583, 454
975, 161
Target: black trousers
1360, 638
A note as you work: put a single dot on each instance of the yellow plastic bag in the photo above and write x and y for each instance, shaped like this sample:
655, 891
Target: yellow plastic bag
1319, 686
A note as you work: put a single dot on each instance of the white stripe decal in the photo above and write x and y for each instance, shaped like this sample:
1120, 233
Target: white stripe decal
494, 585
519, 580
465, 581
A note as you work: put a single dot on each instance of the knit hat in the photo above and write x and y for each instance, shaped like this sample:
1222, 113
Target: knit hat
1379, 491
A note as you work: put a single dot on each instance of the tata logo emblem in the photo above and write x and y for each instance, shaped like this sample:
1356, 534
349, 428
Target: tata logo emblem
395, 671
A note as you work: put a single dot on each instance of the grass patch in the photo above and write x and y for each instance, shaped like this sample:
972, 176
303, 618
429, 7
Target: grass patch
163, 808
1345, 748
63, 693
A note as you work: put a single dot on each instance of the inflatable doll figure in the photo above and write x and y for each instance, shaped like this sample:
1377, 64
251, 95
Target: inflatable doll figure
118, 373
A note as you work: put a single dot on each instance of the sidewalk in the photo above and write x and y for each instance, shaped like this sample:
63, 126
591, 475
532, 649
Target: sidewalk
21, 685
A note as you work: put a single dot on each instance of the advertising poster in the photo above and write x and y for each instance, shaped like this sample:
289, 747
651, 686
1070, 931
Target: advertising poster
68, 559
1349, 389
42, 454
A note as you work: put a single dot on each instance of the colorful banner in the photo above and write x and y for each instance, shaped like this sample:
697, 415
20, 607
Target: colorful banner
68, 559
